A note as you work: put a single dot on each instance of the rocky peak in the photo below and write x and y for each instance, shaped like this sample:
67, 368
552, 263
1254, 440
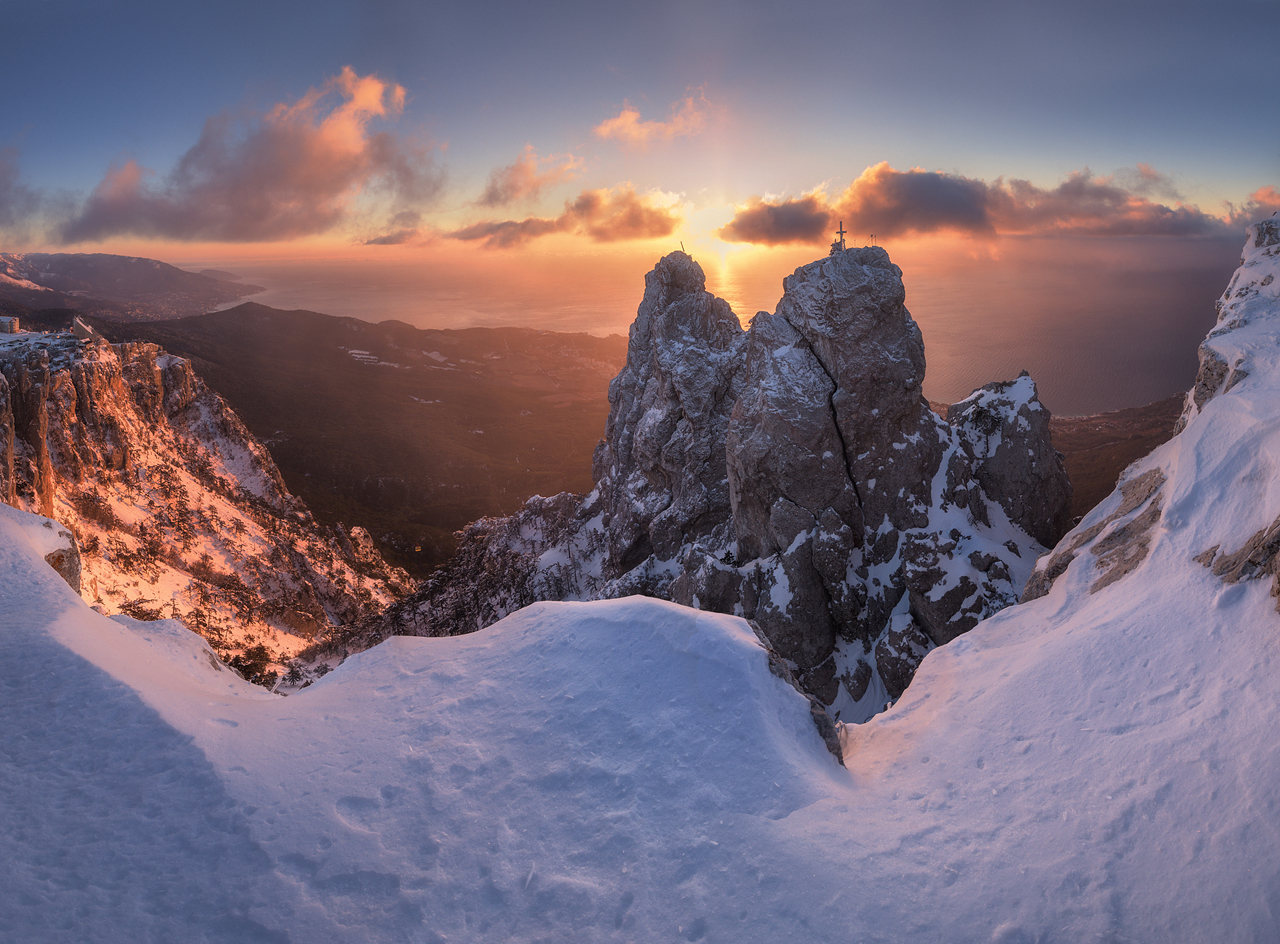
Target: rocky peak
1223, 363
1005, 430
660, 470
792, 474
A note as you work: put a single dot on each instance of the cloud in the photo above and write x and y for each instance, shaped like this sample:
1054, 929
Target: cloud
294, 171
523, 180
889, 202
1261, 204
1090, 206
792, 221
403, 228
602, 215
688, 117
18, 203
504, 233
397, 238
1145, 181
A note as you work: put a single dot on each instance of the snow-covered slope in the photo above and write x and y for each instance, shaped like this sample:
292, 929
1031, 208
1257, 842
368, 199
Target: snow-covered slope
1095, 764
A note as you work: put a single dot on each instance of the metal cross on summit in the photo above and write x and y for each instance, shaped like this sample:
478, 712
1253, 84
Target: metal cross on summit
837, 245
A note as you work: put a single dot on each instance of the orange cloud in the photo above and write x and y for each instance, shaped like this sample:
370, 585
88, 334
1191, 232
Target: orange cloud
524, 181
688, 117
291, 172
889, 202
602, 215
1263, 202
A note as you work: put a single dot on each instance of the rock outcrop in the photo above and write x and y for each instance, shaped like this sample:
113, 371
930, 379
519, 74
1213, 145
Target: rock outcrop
1234, 381
793, 474
171, 508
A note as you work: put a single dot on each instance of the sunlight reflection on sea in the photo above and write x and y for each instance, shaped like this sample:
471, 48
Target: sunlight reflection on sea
1100, 324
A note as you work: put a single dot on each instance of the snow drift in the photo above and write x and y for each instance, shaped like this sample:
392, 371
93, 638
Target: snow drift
1094, 764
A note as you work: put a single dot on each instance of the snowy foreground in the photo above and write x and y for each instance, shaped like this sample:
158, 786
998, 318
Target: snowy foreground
1090, 766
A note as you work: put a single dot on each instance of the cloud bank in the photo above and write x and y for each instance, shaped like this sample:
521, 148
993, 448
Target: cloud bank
688, 117
888, 202
603, 215
291, 172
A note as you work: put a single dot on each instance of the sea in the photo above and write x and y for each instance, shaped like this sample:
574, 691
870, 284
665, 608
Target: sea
1100, 324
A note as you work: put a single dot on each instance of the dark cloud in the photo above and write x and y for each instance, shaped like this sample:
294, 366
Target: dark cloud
890, 202
1089, 206
524, 180
793, 221
607, 217
603, 215
504, 233
291, 172
398, 238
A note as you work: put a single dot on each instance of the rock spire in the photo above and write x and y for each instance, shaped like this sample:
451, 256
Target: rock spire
792, 474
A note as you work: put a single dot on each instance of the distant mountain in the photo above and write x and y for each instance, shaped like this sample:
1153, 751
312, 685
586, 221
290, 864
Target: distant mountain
411, 433
220, 275
1098, 448
301, 379
124, 288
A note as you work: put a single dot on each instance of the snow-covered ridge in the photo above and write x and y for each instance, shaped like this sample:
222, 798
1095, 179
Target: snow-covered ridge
177, 510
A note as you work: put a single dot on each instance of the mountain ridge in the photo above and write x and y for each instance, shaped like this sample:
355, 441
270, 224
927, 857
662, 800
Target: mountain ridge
129, 288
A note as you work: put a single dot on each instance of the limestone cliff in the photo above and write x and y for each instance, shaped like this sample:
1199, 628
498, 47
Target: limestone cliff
793, 474
175, 508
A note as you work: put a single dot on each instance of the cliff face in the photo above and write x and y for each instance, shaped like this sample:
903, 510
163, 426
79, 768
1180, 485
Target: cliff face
792, 474
175, 508
1228, 457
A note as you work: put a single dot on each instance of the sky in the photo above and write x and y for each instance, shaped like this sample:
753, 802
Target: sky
536, 157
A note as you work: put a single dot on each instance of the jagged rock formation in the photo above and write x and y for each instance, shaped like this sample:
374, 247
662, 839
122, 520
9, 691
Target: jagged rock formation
173, 509
793, 474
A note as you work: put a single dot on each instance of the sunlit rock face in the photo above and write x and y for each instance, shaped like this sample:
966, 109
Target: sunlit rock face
169, 505
793, 474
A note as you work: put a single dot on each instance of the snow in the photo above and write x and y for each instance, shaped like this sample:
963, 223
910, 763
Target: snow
22, 283
1090, 766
